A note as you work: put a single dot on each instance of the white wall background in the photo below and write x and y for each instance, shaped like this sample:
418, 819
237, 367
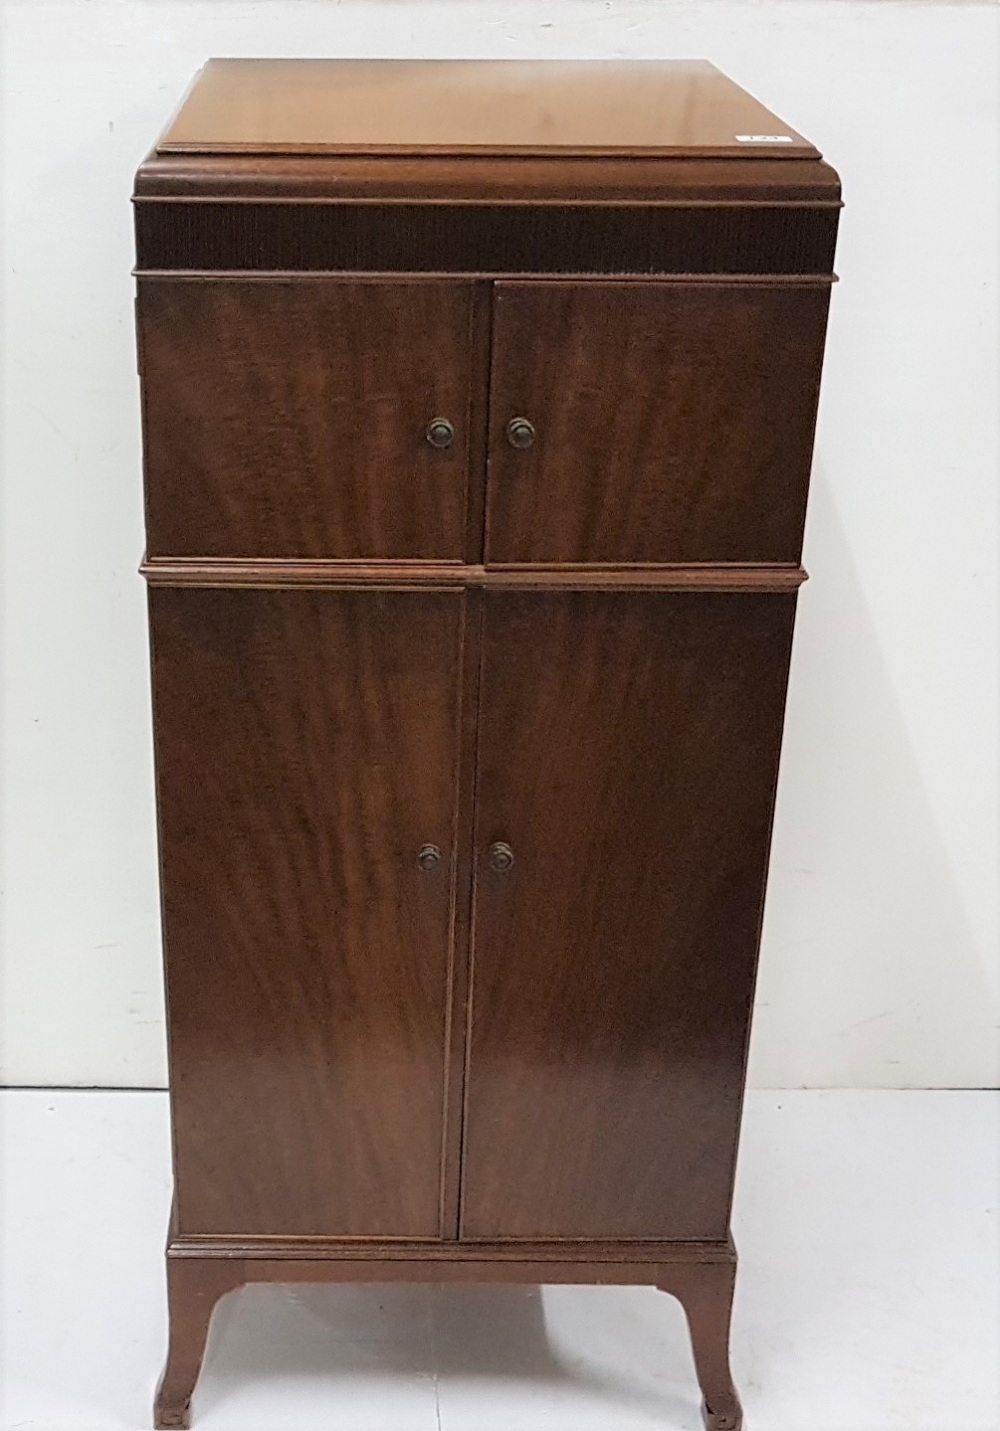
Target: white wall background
880, 959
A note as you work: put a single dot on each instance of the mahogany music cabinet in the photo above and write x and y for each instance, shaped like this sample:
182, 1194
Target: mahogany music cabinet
478, 408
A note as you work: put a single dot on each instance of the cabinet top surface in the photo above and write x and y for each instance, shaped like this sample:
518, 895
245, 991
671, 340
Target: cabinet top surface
675, 107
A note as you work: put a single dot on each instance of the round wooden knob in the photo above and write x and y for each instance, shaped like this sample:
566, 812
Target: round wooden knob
501, 857
440, 432
520, 432
429, 857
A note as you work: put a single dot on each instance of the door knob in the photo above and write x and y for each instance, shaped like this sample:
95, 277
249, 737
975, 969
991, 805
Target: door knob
520, 432
429, 857
501, 857
440, 432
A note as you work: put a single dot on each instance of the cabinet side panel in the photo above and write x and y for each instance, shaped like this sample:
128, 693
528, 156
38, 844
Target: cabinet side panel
628, 756
306, 750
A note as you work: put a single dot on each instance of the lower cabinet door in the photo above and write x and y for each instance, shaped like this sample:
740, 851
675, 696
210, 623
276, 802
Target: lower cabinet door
306, 752
628, 751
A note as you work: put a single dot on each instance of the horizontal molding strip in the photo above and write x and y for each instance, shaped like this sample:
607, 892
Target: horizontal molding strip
388, 200
454, 576
479, 1253
285, 275
510, 180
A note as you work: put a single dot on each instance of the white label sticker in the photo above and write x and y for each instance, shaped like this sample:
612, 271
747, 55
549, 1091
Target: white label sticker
763, 139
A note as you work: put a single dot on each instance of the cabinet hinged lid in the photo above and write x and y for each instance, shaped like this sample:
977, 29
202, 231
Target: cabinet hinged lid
465, 107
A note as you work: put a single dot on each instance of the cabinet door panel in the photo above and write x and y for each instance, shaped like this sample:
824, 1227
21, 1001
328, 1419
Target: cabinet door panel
674, 421
305, 748
628, 755
289, 418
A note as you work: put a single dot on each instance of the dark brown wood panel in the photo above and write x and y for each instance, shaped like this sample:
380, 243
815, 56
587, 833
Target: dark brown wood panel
481, 237
639, 178
289, 419
628, 752
673, 421
306, 750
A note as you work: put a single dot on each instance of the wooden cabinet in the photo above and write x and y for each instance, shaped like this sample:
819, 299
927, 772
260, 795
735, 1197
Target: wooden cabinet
477, 446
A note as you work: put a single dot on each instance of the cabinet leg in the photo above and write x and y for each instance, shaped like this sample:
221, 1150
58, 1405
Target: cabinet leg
193, 1288
705, 1292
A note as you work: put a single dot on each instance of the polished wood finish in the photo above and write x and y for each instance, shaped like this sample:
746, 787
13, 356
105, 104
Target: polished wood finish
699, 1275
706, 1294
194, 1288
306, 746
628, 755
553, 181
466, 748
459, 208
674, 421
460, 1259
440, 576
290, 420
491, 106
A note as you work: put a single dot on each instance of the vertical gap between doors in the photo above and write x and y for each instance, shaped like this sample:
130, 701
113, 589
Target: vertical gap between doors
464, 857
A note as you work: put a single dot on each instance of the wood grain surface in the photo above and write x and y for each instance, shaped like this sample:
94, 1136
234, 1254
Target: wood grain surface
455, 576
563, 665
628, 755
314, 106
306, 749
674, 422
553, 180
290, 419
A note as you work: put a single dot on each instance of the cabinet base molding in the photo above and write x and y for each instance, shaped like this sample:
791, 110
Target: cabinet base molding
200, 1272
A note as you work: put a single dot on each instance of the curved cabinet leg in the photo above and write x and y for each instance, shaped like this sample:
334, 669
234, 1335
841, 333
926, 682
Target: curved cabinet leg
194, 1286
705, 1291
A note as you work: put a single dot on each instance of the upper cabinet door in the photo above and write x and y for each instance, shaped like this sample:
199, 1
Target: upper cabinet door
296, 418
652, 422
